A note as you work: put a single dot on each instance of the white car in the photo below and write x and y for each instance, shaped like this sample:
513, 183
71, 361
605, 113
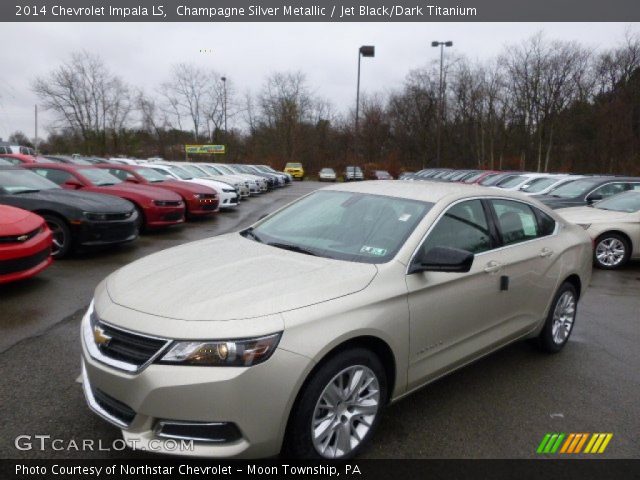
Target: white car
514, 183
327, 175
241, 186
228, 195
543, 185
256, 184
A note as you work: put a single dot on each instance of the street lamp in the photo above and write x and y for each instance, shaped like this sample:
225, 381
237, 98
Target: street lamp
441, 102
224, 93
363, 51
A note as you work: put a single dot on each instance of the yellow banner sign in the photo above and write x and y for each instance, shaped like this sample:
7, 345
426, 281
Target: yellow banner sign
206, 149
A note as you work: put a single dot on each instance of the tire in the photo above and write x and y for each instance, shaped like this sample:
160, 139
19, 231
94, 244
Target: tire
560, 320
62, 240
611, 251
140, 222
343, 418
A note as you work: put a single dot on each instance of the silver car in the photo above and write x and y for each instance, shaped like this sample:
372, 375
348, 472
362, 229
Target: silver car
293, 334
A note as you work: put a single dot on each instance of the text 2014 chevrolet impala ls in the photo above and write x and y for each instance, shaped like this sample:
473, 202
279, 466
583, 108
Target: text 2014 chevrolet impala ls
295, 333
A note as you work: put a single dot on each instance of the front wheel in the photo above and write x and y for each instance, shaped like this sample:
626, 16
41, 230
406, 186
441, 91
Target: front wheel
560, 320
62, 240
339, 408
611, 251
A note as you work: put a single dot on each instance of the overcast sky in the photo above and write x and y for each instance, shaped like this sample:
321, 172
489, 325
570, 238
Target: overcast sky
247, 52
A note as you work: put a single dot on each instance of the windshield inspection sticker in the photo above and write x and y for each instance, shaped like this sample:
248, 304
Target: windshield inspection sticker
378, 252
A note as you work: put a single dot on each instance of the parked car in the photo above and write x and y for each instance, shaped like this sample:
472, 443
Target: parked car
8, 147
327, 175
76, 218
480, 175
25, 244
241, 186
543, 185
405, 175
295, 169
614, 226
198, 200
261, 182
288, 178
364, 294
353, 173
515, 182
587, 190
252, 182
380, 175
491, 180
156, 208
227, 194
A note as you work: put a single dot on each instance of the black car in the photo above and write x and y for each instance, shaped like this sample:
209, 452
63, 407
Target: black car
75, 218
585, 191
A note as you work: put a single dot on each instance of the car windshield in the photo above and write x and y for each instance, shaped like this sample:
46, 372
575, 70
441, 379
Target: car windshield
294, 165
180, 173
225, 169
99, 177
326, 170
211, 170
628, 202
573, 189
193, 170
538, 184
511, 181
150, 175
262, 168
492, 178
23, 181
343, 225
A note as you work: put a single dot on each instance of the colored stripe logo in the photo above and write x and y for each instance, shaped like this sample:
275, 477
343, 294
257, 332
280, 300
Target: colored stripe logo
574, 443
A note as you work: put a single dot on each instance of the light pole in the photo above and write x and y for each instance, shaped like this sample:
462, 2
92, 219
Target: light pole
224, 93
363, 51
441, 101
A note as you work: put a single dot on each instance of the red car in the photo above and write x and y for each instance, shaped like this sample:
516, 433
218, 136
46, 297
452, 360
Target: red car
198, 199
156, 207
25, 244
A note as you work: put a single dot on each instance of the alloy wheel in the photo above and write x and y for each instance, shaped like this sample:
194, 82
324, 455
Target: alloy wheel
59, 237
345, 411
563, 316
610, 252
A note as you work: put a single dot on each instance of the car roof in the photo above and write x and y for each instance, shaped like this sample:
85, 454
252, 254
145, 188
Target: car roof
427, 191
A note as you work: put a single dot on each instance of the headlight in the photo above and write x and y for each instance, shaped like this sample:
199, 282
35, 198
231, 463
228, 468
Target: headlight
223, 353
585, 225
96, 217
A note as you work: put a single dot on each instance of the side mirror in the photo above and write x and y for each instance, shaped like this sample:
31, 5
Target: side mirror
442, 259
596, 197
72, 184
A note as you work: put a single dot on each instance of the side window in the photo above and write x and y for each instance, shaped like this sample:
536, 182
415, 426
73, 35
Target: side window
546, 224
610, 189
516, 221
121, 174
464, 226
56, 176
635, 186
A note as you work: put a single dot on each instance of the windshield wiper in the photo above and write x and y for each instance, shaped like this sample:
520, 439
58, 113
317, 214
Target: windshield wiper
33, 190
292, 248
248, 233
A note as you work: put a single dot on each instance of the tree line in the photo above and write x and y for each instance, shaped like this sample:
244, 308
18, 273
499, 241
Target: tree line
541, 104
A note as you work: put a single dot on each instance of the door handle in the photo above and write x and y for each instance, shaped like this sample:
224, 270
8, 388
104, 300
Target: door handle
546, 252
492, 267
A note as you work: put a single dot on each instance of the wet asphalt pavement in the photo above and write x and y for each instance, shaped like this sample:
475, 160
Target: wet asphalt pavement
499, 407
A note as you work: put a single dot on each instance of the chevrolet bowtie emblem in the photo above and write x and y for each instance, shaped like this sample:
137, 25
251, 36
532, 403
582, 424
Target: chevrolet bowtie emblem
100, 337
22, 238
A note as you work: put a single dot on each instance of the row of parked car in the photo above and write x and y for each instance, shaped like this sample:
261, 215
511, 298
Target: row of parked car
606, 206
53, 205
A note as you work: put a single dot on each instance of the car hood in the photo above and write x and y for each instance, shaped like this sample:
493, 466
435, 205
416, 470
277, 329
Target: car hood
15, 221
590, 215
85, 201
232, 278
125, 190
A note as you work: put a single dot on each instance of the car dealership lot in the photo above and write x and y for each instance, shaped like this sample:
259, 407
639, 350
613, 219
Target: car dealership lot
499, 407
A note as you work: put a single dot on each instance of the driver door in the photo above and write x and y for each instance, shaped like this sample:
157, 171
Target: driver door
452, 314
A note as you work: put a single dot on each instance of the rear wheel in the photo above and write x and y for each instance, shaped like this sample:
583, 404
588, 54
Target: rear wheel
339, 408
560, 320
611, 251
61, 235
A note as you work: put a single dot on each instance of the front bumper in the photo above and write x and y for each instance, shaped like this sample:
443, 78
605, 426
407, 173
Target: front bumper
158, 217
255, 400
90, 233
18, 262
